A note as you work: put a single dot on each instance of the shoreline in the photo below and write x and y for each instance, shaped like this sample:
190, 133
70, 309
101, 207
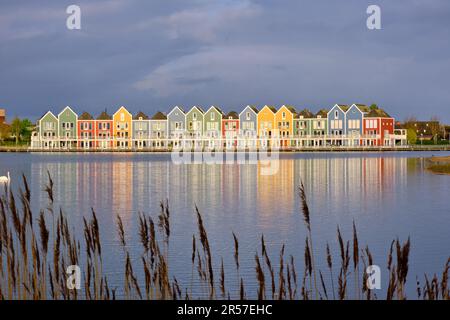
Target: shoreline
439, 165
304, 150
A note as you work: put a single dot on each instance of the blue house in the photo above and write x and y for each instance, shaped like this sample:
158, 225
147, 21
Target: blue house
248, 126
354, 123
337, 125
176, 121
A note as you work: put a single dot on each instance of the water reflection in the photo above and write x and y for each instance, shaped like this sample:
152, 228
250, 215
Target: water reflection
131, 185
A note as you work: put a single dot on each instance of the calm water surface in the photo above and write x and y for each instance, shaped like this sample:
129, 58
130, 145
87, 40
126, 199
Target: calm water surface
388, 195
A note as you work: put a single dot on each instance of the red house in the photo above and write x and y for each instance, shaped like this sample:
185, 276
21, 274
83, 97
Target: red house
230, 129
86, 131
104, 128
377, 126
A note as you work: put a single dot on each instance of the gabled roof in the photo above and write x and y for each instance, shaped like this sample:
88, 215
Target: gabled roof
159, 116
271, 108
122, 108
378, 113
306, 113
290, 108
104, 116
323, 113
70, 111
214, 107
176, 107
51, 113
198, 108
139, 115
343, 107
86, 116
232, 115
253, 108
362, 107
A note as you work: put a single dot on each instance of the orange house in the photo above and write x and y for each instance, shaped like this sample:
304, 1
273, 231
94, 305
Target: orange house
266, 124
122, 128
284, 123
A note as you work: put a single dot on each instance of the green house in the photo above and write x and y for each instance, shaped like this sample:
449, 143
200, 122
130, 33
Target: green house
194, 122
303, 123
67, 127
48, 130
212, 122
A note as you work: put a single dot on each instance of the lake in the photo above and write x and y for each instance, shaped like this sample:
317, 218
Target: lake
388, 195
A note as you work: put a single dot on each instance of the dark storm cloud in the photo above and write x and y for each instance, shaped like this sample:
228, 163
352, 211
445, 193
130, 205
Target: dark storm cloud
152, 55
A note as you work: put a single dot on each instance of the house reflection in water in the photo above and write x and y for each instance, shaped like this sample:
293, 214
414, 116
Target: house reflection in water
129, 185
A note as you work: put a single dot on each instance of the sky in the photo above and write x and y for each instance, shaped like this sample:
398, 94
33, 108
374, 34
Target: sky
153, 55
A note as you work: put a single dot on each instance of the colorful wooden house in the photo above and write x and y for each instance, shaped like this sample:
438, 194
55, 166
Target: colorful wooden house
122, 131
105, 131
67, 128
158, 130
194, 126
48, 131
141, 130
176, 122
230, 129
87, 133
212, 126
354, 123
319, 124
378, 127
248, 122
284, 124
337, 123
302, 123
266, 125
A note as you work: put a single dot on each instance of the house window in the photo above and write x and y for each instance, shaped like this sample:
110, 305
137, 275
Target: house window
122, 117
213, 116
336, 114
194, 116
283, 115
247, 116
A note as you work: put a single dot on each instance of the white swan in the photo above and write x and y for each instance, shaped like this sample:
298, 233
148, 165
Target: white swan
6, 179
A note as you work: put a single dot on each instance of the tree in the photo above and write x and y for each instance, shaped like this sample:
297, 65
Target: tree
16, 128
411, 136
21, 129
26, 128
5, 131
435, 128
373, 106
409, 122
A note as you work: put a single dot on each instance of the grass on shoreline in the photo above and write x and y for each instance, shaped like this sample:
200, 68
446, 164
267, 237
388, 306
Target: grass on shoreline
440, 165
35, 251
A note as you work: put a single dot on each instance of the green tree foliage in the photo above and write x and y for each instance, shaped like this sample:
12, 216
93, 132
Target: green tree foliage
16, 128
21, 129
411, 136
5, 131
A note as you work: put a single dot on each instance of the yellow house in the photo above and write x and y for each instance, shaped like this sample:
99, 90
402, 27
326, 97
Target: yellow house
284, 123
266, 124
122, 128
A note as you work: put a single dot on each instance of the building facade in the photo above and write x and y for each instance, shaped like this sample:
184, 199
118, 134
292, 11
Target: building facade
67, 128
248, 122
122, 131
87, 133
176, 121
